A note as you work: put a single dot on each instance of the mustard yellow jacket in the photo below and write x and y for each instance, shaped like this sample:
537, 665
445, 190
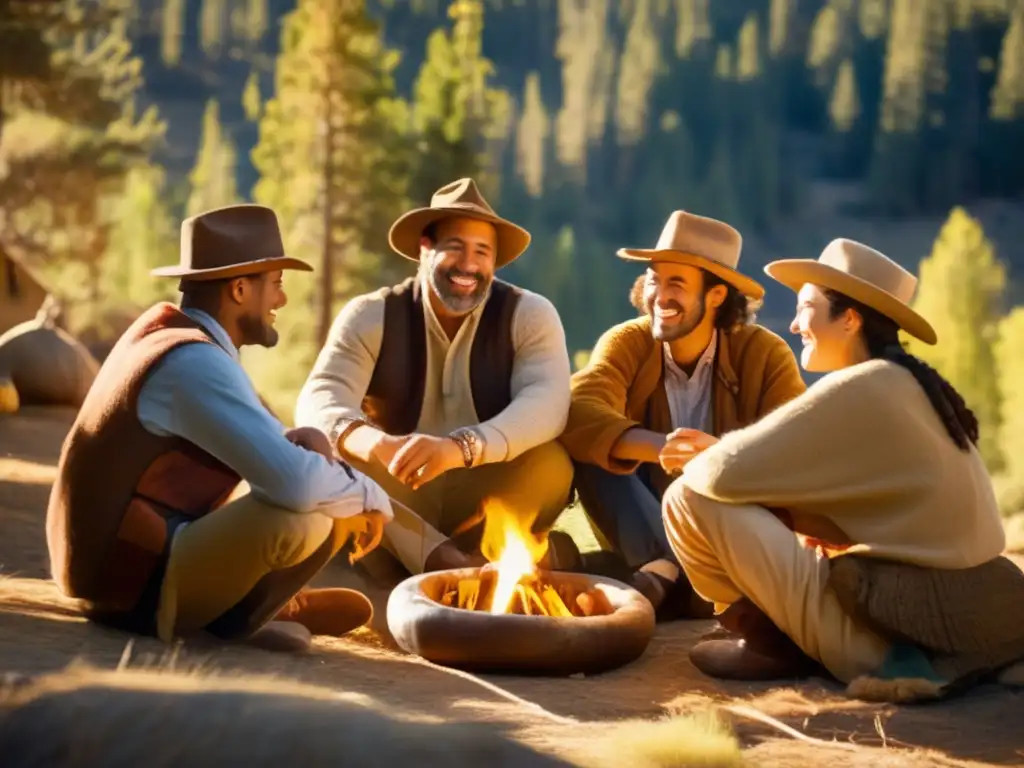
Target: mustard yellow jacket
623, 387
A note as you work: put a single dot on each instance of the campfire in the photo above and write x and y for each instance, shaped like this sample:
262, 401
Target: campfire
512, 615
512, 582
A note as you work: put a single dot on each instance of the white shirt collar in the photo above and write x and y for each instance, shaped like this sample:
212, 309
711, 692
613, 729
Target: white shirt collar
707, 358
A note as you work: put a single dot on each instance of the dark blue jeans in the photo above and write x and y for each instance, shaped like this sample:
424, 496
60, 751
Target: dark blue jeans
626, 511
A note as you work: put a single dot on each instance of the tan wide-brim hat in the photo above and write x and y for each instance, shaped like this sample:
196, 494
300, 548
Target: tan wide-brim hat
459, 199
698, 241
232, 241
865, 275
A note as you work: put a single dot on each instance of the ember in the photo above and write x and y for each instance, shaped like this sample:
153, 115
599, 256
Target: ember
531, 596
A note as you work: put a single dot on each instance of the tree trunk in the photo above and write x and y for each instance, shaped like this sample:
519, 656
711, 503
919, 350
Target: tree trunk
327, 267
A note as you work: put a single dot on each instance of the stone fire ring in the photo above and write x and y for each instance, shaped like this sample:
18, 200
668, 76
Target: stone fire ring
477, 641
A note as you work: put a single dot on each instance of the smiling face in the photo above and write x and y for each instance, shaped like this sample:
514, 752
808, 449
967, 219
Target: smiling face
460, 262
675, 299
829, 342
260, 298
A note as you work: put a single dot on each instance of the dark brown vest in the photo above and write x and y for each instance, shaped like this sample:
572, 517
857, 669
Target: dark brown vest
395, 396
118, 486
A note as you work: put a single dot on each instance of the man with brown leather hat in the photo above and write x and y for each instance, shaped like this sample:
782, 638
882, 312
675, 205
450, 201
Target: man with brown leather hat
451, 388
141, 527
661, 388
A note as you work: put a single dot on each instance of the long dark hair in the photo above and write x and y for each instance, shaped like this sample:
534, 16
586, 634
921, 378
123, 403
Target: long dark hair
735, 310
881, 337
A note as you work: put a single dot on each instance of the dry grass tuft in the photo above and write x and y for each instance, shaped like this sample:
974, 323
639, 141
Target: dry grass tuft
682, 741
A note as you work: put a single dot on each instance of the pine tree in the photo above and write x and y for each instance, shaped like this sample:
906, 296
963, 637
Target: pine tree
455, 112
331, 166
213, 178
1009, 355
144, 236
844, 107
172, 31
1008, 95
960, 292
69, 124
637, 68
532, 137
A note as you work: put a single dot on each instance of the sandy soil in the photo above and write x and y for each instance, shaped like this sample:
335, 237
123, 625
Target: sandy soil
40, 631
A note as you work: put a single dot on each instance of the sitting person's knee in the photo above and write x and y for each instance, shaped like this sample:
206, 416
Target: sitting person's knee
680, 503
293, 535
549, 470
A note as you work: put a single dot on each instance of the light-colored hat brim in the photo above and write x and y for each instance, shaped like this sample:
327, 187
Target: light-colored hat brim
234, 270
407, 230
794, 273
745, 285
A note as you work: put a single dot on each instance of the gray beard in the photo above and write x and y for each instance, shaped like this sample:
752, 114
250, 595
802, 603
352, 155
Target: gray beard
458, 305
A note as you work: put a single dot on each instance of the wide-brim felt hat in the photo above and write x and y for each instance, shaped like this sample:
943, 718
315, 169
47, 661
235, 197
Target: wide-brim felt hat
865, 275
232, 241
460, 199
699, 241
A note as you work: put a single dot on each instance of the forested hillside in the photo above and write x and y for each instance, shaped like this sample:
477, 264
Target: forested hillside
586, 120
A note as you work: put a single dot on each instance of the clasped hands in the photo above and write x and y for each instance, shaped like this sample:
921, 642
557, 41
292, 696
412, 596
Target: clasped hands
681, 446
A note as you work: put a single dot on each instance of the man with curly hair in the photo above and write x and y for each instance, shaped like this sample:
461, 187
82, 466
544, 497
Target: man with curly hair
661, 388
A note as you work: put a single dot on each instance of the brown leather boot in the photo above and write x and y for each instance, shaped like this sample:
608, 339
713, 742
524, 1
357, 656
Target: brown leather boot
334, 612
756, 649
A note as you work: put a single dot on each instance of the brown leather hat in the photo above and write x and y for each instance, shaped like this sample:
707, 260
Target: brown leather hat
232, 241
460, 198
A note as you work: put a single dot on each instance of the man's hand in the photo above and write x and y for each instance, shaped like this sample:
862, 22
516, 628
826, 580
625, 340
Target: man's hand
681, 446
367, 540
425, 457
312, 439
387, 446
446, 556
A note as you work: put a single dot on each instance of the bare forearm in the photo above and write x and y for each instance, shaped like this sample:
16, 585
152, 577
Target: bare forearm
360, 443
638, 444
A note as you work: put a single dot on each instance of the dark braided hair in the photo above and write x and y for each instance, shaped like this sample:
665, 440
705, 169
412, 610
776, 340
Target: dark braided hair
881, 337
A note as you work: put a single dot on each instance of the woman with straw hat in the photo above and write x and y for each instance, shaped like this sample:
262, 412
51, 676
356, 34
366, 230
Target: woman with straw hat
876, 468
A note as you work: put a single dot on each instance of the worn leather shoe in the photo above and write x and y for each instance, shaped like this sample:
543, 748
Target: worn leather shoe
334, 612
751, 647
282, 637
736, 659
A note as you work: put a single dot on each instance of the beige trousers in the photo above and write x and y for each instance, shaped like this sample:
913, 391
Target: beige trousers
218, 559
730, 551
535, 485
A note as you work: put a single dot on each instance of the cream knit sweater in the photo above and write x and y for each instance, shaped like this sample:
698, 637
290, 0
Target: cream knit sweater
864, 448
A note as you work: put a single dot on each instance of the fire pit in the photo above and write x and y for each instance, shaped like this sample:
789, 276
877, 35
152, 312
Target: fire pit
512, 617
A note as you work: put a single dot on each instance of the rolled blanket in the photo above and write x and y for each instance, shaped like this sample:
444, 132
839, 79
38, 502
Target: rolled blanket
951, 629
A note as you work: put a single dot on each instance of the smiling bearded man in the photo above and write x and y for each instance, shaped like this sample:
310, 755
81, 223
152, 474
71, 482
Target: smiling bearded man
660, 389
141, 527
451, 387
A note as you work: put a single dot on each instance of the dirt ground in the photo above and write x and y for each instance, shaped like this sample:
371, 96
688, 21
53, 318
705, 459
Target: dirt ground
40, 632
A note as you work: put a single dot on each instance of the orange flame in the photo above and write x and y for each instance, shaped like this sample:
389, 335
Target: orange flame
513, 550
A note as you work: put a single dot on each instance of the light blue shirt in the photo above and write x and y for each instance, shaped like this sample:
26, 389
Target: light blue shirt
201, 393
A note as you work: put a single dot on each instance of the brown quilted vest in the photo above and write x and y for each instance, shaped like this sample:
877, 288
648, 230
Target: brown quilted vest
120, 490
395, 396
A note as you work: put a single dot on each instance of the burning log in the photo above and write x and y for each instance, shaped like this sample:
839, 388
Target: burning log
532, 596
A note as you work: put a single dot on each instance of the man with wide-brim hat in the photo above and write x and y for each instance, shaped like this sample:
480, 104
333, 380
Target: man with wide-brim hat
451, 388
663, 387
145, 526
895, 584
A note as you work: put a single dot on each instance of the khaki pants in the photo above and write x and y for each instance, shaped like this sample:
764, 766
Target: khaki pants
534, 485
219, 559
730, 551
